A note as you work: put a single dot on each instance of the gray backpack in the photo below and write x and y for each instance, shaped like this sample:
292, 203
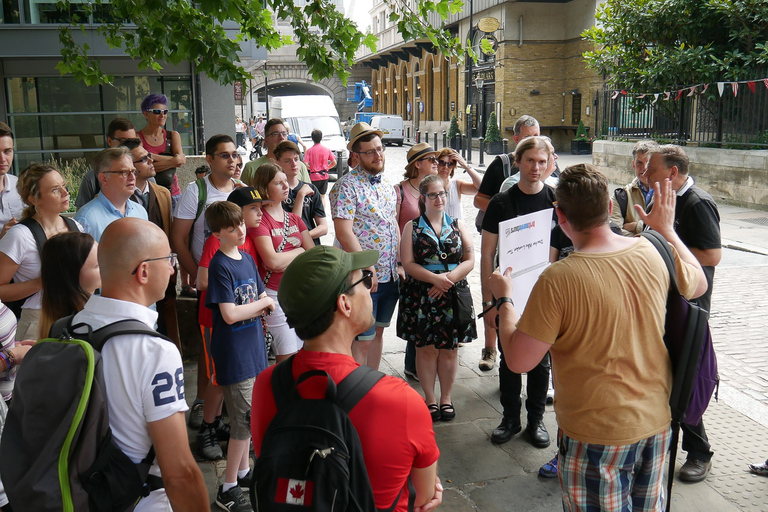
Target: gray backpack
57, 451
506, 162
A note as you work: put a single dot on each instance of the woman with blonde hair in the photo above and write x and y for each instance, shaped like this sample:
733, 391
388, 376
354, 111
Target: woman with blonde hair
45, 195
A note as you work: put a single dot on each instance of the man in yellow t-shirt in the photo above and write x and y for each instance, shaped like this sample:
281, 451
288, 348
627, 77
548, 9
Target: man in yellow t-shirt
600, 312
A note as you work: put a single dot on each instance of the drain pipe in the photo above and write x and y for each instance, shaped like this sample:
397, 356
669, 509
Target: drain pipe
520, 28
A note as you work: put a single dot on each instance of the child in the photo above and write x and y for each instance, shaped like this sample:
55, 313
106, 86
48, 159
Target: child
236, 297
304, 200
212, 429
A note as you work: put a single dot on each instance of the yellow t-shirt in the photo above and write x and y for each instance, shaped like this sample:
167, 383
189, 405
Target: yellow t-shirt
604, 315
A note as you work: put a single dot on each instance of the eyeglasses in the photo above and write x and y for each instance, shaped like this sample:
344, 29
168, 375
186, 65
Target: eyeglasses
143, 159
443, 163
367, 281
227, 156
171, 261
434, 195
372, 152
158, 111
281, 134
429, 159
124, 174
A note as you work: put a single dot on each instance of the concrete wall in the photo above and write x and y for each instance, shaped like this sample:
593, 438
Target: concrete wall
218, 115
730, 176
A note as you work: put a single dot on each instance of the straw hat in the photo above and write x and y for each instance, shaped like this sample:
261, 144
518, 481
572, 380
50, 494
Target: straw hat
361, 130
419, 151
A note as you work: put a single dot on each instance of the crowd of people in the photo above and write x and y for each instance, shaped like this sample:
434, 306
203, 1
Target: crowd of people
247, 241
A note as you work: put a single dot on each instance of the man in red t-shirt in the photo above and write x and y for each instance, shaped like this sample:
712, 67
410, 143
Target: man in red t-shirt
326, 298
319, 159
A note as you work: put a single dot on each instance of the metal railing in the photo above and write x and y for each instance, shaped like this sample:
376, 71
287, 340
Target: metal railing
708, 119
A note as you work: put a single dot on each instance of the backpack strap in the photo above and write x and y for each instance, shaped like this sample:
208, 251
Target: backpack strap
283, 387
37, 232
507, 165
202, 197
71, 224
621, 198
661, 245
100, 336
355, 386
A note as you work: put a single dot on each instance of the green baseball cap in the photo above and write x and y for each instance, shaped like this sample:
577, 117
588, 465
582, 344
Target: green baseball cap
313, 281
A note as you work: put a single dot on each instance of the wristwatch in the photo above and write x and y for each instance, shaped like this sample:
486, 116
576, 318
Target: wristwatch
502, 300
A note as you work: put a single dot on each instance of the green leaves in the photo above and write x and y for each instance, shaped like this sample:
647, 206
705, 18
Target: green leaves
652, 45
153, 31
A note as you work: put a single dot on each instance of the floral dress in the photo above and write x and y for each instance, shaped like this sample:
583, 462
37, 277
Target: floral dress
420, 318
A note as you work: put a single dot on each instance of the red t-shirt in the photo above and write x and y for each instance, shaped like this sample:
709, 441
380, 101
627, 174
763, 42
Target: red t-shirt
275, 229
212, 244
317, 158
392, 421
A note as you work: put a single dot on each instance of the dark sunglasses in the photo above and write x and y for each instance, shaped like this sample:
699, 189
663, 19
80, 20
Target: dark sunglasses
443, 163
367, 281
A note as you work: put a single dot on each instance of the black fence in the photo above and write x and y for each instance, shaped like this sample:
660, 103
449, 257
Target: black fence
708, 119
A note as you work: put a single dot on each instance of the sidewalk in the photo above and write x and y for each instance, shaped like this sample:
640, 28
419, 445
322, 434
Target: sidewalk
479, 475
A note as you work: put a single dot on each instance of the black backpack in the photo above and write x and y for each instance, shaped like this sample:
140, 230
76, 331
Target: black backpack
311, 454
57, 452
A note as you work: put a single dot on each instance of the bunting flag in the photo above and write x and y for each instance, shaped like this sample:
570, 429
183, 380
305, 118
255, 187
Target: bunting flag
692, 90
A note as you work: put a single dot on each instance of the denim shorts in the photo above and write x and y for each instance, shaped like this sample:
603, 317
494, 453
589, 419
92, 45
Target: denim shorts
384, 302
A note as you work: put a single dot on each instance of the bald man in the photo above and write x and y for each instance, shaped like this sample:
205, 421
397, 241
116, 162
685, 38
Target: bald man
143, 374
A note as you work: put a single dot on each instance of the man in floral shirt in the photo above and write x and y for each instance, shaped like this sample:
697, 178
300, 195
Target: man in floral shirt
363, 210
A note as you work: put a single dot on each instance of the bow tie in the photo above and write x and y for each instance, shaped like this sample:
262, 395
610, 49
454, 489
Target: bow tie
375, 179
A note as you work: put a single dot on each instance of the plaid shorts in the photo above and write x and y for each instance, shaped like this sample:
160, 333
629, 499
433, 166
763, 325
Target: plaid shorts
613, 478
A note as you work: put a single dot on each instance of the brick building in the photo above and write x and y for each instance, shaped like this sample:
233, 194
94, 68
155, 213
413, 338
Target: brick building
537, 69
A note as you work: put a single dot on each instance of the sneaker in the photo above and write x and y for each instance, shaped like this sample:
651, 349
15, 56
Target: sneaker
207, 445
245, 482
549, 470
488, 359
222, 430
759, 468
195, 415
409, 373
232, 500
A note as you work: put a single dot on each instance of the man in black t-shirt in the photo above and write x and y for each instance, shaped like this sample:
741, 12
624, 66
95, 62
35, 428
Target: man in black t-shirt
526, 126
528, 196
697, 223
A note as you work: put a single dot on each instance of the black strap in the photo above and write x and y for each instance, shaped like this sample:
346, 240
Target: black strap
443, 255
346, 394
286, 226
662, 246
39, 234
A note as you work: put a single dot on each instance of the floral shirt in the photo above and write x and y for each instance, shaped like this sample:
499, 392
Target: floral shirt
371, 208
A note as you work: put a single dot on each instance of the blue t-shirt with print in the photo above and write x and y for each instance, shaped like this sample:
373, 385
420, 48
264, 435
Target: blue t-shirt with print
238, 350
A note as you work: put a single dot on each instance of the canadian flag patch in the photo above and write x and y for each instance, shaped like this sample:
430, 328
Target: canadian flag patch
294, 492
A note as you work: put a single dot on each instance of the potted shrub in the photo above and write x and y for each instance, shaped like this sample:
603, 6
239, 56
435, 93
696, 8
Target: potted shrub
581, 144
493, 143
454, 132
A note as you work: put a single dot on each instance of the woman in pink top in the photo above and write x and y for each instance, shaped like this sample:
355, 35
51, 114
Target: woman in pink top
165, 145
422, 161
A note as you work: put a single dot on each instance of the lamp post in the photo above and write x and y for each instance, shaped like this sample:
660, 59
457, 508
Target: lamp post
479, 84
468, 81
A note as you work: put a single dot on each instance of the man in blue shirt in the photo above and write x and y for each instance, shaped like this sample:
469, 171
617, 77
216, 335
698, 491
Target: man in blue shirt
116, 174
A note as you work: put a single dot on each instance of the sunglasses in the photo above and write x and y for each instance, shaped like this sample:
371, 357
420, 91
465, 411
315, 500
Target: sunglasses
443, 163
367, 281
429, 159
158, 111
143, 159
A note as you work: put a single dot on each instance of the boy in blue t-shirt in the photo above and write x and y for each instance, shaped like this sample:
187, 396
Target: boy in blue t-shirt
236, 297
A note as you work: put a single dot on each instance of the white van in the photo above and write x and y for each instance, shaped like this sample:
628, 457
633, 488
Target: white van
308, 112
391, 126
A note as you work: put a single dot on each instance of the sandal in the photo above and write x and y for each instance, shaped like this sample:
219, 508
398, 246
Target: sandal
434, 411
447, 412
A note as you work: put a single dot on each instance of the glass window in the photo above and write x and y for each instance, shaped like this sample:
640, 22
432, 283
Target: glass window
66, 94
26, 132
49, 11
72, 132
9, 11
126, 93
22, 95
